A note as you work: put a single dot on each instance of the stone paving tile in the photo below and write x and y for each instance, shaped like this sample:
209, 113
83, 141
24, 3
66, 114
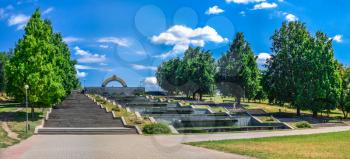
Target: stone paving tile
134, 146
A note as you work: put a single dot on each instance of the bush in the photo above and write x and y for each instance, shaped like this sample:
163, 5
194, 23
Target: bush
156, 128
302, 124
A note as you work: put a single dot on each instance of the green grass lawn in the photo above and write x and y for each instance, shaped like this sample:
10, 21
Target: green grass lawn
16, 117
319, 146
5, 141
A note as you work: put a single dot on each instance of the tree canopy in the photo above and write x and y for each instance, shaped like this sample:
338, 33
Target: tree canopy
238, 73
192, 74
42, 61
302, 70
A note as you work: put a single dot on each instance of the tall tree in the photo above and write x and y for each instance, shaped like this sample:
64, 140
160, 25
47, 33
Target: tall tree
284, 71
201, 67
344, 99
4, 57
166, 75
238, 73
318, 84
35, 63
65, 66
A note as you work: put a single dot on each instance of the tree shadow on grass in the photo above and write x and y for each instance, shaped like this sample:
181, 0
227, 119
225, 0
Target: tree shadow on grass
19, 116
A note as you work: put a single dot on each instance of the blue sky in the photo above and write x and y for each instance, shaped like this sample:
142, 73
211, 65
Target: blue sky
131, 38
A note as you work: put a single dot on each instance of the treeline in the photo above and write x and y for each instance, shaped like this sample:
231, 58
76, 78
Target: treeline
302, 72
42, 61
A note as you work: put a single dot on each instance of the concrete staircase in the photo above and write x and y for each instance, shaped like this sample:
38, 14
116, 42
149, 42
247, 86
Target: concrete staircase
80, 115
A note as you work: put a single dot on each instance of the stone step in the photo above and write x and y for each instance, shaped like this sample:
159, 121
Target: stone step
90, 131
80, 116
82, 124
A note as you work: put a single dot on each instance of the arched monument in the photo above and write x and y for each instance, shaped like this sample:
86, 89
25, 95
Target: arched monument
113, 78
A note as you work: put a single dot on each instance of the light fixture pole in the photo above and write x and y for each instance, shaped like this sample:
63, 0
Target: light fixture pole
26, 87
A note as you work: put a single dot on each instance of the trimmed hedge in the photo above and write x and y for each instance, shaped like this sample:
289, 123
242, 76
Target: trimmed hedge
156, 128
302, 124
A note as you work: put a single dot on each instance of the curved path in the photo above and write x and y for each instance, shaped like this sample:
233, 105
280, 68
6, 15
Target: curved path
134, 146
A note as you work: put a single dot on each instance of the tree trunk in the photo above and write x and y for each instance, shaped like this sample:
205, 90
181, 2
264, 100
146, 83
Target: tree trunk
200, 96
33, 115
194, 95
298, 111
238, 100
314, 114
344, 113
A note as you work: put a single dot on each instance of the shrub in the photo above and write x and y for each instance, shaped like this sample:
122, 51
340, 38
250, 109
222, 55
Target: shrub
302, 124
156, 128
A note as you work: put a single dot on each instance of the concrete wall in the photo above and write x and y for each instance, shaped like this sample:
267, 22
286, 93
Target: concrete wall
115, 91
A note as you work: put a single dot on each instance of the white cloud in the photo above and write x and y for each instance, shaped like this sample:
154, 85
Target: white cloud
143, 67
290, 17
181, 37
48, 10
262, 57
19, 20
81, 74
71, 39
242, 13
151, 80
87, 57
214, 10
84, 67
114, 40
104, 46
338, 38
265, 5
244, 1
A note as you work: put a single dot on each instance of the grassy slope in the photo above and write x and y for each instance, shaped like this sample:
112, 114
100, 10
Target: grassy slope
17, 123
320, 146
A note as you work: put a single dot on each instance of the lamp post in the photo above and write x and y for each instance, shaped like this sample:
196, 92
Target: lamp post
26, 87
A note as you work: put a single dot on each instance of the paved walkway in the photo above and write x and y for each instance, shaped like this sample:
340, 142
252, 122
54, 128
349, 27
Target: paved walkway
133, 146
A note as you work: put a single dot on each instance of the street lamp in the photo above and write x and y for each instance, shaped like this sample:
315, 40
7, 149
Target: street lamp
26, 87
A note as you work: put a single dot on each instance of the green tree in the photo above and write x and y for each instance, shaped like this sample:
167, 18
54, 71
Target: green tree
4, 57
302, 70
35, 63
166, 75
344, 100
318, 84
238, 73
65, 66
284, 71
192, 74
201, 66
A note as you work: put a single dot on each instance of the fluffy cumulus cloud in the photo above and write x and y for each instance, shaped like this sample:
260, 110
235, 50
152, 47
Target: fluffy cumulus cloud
290, 17
143, 67
214, 10
338, 38
244, 1
87, 57
264, 5
262, 57
150, 80
181, 37
114, 40
71, 39
19, 20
